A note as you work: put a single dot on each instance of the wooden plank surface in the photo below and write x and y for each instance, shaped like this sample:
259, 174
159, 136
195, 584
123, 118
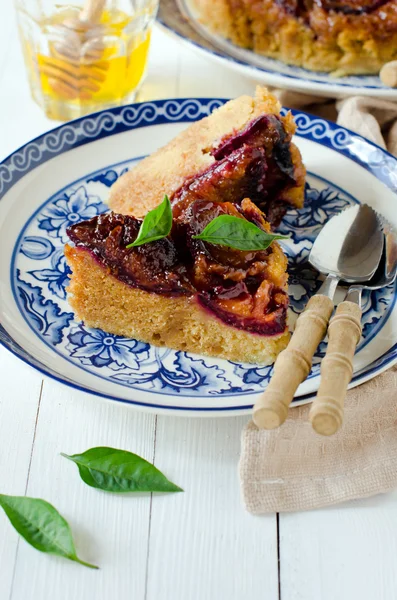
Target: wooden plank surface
202, 543
343, 552
111, 530
19, 399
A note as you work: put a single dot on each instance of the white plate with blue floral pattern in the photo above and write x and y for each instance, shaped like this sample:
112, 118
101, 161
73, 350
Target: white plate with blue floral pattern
179, 18
65, 175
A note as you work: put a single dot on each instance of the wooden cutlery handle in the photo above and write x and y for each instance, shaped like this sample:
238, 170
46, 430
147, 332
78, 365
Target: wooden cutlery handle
344, 332
293, 364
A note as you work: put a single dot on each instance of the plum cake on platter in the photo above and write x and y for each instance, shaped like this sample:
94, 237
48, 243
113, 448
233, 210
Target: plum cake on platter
214, 281
339, 36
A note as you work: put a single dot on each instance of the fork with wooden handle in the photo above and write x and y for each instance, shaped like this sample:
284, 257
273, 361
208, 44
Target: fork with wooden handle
344, 333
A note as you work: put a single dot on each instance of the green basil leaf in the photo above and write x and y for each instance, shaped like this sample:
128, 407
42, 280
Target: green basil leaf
231, 231
115, 470
156, 224
41, 525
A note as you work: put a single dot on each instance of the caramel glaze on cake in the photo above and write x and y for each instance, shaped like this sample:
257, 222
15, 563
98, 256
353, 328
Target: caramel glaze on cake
339, 36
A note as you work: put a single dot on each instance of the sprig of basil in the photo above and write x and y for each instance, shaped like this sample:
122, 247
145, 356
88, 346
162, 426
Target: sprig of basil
231, 231
41, 525
156, 224
120, 471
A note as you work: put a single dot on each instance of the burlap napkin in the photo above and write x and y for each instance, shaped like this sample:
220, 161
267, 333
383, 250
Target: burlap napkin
293, 468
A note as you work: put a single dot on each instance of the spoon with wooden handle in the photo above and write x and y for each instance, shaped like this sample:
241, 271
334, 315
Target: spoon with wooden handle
349, 247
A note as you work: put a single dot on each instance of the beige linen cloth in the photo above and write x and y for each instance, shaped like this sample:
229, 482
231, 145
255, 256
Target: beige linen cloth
293, 468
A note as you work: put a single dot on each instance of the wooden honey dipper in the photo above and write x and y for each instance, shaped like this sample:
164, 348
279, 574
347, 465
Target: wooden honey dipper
67, 75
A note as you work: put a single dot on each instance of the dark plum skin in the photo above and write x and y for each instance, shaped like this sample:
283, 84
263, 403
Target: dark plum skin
276, 325
255, 163
154, 267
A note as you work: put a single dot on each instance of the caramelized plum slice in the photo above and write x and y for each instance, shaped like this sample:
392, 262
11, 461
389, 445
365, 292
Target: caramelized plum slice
249, 313
213, 264
242, 173
153, 267
254, 163
265, 132
232, 282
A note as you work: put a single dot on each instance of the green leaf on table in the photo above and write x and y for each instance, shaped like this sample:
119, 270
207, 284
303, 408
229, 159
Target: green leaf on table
156, 224
231, 231
41, 525
115, 470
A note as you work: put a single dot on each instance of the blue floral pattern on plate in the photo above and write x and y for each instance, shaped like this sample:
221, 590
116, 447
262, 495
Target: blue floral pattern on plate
175, 371
320, 206
70, 208
303, 278
57, 276
108, 177
41, 278
101, 349
44, 315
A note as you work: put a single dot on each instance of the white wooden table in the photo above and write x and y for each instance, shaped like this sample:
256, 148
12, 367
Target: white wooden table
200, 545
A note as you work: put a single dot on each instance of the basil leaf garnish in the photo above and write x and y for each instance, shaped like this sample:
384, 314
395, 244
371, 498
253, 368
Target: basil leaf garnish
231, 231
115, 470
41, 525
156, 224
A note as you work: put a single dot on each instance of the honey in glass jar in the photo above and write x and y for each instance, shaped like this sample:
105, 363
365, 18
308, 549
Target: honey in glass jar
84, 57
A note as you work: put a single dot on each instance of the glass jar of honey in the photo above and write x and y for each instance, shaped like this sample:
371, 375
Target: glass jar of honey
84, 56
